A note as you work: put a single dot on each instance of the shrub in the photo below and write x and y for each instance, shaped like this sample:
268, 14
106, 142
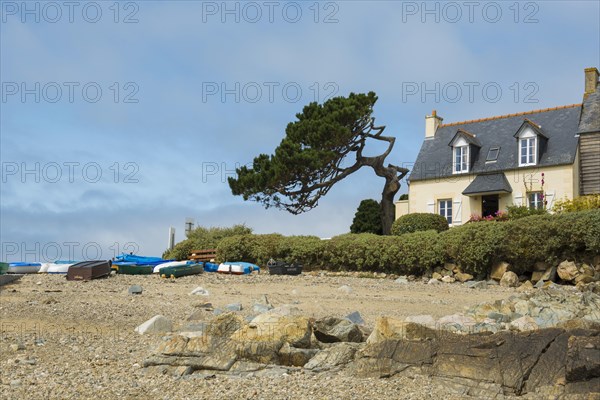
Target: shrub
516, 212
367, 218
203, 238
257, 249
419, 222
582, 203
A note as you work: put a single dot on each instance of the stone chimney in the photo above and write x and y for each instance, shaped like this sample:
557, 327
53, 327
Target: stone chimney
431, 124
591, 80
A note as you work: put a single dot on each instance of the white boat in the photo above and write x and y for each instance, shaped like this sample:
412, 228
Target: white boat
237, 268
54, 268
23, 268
44, 268
170, 264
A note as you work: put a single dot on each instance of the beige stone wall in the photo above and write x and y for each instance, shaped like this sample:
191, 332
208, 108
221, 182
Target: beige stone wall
560, 182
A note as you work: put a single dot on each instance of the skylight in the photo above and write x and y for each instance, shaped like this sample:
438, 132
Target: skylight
493, 154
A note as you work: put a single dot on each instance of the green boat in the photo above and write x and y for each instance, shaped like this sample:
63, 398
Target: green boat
3, 268
135, 269
184, 270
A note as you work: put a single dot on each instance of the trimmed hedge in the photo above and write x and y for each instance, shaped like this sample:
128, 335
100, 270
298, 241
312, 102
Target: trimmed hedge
416, 222
474, 247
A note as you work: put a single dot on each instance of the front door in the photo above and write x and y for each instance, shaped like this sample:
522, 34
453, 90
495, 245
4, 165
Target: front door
489, 205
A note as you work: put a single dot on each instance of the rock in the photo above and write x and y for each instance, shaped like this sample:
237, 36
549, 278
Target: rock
540, 266
356, 318
463, 277
201, 304
567, 271
509, 279
437, 276
345, 288
224, 325
477, 284
456, 323
200, 291
17, 346
294, 357
425, 320
156, 324
332, 329
526, 286
336, 355
445, 272
448, 279
524, 324
234, 307
498, 270
450, 266
586, 274
402, 280
135, 289
433, 281
261, 308
583, 358
387, 328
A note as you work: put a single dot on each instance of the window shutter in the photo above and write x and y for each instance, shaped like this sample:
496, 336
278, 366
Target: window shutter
457, 211
518, 199
431, 206
550, 199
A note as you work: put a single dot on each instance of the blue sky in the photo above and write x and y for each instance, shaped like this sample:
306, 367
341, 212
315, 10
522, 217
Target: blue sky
119, 120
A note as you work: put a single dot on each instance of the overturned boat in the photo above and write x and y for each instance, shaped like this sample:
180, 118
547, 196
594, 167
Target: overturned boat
88, 270
237, 268
182, 270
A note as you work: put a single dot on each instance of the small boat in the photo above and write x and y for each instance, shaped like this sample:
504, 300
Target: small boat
23, 268
134, 269
283, 268
181, 270
171, 264
237, 268
3, 268
88, 270
211, 267
59, 267
141, 260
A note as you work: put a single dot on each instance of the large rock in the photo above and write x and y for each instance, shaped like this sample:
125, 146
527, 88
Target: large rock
387, 328
295, 357
509, 279
498, 270
567, 271
336, 355
586, 274
463, 277
332, 329
156, 324
549, 274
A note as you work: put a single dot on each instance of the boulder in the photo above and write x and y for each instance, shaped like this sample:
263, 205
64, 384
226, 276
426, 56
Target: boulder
437, 276
332, 329
463, 277
524, 324
509, 279
402, 280
457, 323
387, 328
498, 270
477, 284
135, 289
294, 357
525, 286
567, 271
433, 281
335, 355
448, 279
156, 324
586, 274
425, 320
234, 307
355, 318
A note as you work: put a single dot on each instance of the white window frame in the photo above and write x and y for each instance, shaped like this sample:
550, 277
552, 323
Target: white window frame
461, 166
538, 201
530, 145
445, 209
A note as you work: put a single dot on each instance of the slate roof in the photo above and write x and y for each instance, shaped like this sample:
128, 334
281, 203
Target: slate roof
559, 125
488, 183
590, 114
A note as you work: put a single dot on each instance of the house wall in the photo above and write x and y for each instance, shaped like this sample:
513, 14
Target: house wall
560, 182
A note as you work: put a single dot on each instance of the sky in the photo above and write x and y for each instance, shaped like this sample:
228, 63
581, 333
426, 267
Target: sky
119, 120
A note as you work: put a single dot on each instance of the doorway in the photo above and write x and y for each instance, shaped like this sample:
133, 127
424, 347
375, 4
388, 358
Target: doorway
489, 205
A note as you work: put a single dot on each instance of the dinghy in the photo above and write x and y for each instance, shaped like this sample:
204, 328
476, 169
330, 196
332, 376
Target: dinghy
182, 270
23, 268
171, 264
283, 268
237, 268
134, 269
88, 270
59, 267
211, 267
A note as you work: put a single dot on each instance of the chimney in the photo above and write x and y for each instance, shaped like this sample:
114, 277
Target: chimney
431, 124
591, 80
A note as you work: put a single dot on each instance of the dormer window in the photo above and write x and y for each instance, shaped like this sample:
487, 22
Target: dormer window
530, 139
465, 148
461, 159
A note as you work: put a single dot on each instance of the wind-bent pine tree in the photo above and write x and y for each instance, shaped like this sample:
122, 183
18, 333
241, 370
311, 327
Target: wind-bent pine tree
324, 146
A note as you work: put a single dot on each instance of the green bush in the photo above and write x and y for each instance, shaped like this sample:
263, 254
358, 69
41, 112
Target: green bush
516, 212
419, 222
203, 238
590, 202
257, 249
367, 218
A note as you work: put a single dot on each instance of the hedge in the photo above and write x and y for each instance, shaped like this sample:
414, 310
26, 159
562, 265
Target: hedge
474, 247
416, 222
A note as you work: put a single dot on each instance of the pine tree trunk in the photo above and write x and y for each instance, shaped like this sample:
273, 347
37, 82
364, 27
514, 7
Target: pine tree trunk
388, 209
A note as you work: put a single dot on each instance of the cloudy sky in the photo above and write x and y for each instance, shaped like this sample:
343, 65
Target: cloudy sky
119, 120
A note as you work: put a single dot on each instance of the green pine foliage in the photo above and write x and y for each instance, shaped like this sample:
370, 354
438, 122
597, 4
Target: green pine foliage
367, 218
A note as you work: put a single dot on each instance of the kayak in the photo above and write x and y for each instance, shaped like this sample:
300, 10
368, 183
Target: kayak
134, 269
181, 270
171, 264
140, 260
237, 268
88, 270
23, 268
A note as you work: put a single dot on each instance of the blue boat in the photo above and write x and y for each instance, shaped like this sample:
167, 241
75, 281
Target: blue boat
23, 268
